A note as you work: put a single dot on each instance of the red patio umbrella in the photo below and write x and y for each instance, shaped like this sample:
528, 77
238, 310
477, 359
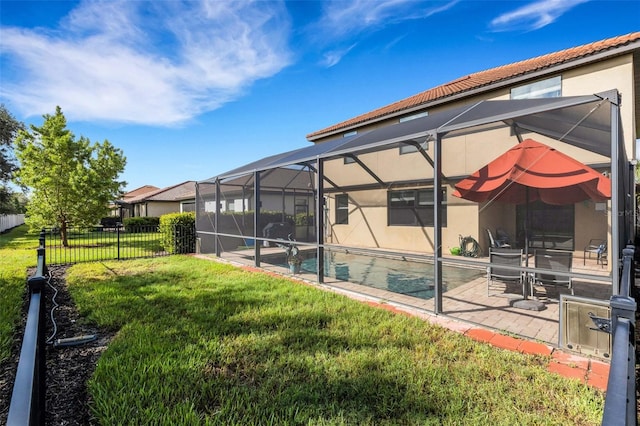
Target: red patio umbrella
533, 171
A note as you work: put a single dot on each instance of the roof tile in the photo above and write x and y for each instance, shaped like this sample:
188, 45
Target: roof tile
484, 78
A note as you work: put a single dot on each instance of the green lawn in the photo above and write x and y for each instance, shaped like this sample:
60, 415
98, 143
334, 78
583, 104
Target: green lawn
205, 343
17, 253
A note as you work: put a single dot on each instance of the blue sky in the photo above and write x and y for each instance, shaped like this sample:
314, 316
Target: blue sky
191, 89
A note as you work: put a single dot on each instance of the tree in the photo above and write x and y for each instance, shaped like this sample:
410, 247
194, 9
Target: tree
9, 128
72, 180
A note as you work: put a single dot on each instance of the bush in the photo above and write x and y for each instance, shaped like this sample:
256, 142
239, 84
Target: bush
134, 224
178, 232
304, 219
110, 222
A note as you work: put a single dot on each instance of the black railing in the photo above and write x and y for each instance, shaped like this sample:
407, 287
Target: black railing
116, 243
621, 403
27, 405
29, 392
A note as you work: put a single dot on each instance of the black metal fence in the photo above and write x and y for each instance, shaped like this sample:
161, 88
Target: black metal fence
27, 405
29, 391
621, 401
116, 243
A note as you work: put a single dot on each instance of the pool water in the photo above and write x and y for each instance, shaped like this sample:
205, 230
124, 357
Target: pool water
399, 276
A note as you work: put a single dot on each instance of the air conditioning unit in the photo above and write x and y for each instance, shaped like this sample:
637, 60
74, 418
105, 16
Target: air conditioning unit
578, 331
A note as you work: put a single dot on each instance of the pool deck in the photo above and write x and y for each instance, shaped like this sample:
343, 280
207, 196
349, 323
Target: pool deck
493, 319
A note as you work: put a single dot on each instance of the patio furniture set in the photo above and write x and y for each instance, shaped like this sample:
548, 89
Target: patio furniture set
505, 263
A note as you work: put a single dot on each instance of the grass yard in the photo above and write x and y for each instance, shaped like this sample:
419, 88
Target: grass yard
200, 342
17, 253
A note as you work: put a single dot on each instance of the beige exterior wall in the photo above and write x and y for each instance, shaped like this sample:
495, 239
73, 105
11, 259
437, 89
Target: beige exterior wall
368, 224
615, 73
462, 156
157, 209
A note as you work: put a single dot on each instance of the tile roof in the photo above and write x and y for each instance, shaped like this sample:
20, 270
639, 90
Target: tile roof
139, 191
177, 192
483, 78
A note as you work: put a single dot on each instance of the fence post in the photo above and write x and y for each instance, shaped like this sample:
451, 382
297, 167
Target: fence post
118, 239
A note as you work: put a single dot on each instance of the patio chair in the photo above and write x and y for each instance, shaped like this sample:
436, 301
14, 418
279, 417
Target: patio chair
596, 246
496, 243
552, 260
499, 257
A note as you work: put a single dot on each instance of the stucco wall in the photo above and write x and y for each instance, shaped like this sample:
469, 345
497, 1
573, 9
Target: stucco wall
614, 73
368, 224
157, 209
463, 155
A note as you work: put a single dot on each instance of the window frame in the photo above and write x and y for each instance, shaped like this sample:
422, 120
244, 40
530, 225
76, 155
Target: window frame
414, 208
342, 209
539, 89
404, 148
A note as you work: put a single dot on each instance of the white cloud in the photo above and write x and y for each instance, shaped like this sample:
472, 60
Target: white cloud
533, 16
331, 58
344, 21
352, 17
155, 63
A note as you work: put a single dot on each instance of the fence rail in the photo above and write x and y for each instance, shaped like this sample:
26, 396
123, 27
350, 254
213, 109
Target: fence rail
621, 401
8, 221
116, 243
29, 392
28, 399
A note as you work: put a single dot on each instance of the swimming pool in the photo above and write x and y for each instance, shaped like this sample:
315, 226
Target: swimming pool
399, 276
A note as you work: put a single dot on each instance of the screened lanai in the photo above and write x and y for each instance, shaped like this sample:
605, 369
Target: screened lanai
374, 211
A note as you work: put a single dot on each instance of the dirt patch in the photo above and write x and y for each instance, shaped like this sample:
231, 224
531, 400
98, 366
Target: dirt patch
68, 367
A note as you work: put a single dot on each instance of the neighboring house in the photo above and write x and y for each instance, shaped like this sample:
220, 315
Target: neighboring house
378, 186
156, 202
123, 208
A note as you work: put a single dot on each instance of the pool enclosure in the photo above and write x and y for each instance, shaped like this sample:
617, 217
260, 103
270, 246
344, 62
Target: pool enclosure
388, 193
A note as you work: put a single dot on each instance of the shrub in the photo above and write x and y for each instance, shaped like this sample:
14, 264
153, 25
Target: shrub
110, 221
178, 232
304, 219
134, 224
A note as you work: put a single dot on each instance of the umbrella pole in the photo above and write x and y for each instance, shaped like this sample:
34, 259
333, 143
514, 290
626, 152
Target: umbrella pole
526, 243
526, 303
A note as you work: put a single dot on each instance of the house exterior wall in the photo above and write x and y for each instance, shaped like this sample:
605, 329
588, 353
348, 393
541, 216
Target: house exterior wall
461, 156
157, 208
368, 224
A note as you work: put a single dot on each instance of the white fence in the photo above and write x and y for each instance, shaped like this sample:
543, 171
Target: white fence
8, 221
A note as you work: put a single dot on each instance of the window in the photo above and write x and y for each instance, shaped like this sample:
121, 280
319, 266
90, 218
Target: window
414, 207
342, 209
413, 117
349, 160
549, 226
348, 134
406, 149
549, 88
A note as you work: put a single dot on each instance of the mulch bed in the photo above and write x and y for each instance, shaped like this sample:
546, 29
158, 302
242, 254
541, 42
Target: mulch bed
68, 367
